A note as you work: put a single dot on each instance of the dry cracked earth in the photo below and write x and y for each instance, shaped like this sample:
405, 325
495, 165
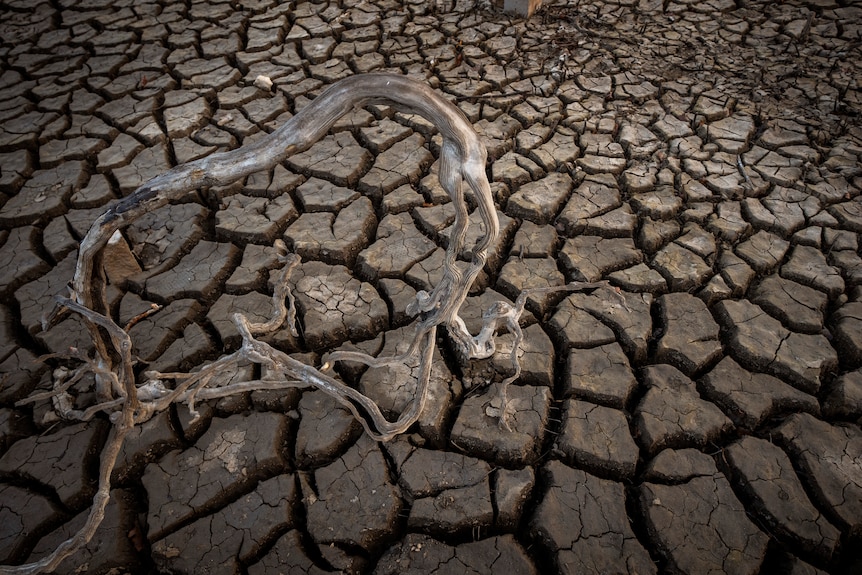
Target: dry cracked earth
703, 157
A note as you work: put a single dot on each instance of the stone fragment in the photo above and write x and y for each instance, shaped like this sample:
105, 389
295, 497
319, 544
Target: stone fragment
434, 219
36, 298
184, 119
760, 343
695, 191
776, 168
418, 553
510, 170
477, 430
827, 457
788, 208
701, 527
800, 308
152, 335
594, 164
752, 398
653, 235
672, 414
784, 133
287, 555
850, 264
17, 167
768, 480
427, 472
398, 296
699, 212
186, 351
639, 179
597, 438
738, 127
334, 306
23, 131
690, 340
355, 486
670, 127
56, 152
14, 425
230, 457
840, 240
382, 136
560, 150
582, 520
401, 199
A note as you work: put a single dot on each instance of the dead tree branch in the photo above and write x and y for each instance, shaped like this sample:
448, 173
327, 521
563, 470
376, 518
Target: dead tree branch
129, 402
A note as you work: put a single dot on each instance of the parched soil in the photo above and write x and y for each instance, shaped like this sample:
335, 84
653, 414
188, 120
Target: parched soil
702, 416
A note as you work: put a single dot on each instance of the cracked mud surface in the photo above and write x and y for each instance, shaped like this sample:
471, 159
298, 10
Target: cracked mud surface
701, 417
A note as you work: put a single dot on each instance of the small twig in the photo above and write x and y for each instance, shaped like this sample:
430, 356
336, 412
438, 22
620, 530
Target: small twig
154, 307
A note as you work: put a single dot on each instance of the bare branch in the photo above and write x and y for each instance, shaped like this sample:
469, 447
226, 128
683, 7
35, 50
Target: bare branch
462, 161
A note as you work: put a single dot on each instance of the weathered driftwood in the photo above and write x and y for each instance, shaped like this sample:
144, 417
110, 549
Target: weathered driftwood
462, 159
129, 402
